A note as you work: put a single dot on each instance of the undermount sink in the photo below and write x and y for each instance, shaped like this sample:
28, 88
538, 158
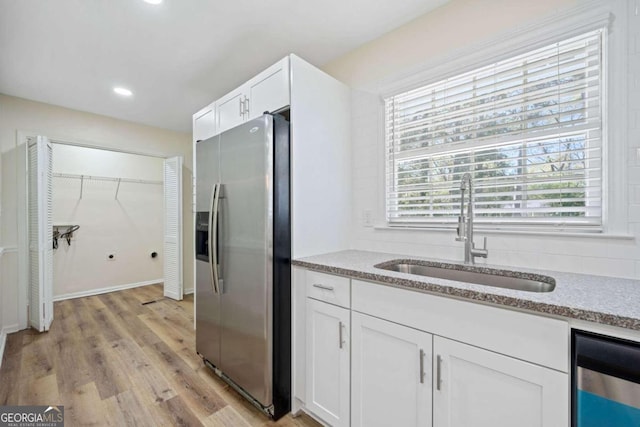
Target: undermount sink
473, 274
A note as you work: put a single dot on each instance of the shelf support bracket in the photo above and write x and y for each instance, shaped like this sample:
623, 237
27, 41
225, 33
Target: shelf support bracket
118, 188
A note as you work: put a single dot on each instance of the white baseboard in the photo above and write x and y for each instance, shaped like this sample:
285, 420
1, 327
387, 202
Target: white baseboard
3, 341
188, 291
3, 338
99, 291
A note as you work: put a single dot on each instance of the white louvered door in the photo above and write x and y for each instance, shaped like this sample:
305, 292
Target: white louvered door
173, 284
40, 234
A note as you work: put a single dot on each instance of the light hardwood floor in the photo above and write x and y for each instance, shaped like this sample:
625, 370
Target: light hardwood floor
110, 360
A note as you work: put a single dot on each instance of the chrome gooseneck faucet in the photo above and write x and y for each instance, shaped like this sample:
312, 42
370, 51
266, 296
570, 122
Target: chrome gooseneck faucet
465, 224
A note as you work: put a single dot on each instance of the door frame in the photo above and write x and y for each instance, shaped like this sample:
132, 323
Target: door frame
23, 208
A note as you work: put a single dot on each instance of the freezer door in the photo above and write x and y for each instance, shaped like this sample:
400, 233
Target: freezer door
207, 300
207, 315
246, 236
207, 171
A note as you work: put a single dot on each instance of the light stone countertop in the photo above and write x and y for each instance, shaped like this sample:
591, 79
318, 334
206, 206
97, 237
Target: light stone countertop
600, 299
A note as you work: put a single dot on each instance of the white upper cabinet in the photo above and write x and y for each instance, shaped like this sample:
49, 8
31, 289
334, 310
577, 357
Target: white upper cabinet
204, 123
269, 90
266, 92
230, 110
476, 387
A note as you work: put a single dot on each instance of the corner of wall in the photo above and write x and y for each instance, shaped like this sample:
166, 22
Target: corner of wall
3, 341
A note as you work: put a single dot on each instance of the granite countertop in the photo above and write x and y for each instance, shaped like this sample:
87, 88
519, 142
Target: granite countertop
605, 300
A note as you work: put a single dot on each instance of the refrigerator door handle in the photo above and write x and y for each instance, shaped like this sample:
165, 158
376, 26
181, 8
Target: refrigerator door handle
213, 237
219, 251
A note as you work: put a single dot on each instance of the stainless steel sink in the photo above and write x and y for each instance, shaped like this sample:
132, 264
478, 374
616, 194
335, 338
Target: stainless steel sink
473, 274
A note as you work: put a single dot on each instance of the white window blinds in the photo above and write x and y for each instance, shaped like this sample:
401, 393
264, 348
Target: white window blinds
529, 129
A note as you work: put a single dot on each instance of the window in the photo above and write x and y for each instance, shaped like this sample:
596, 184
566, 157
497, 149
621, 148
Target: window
529, 130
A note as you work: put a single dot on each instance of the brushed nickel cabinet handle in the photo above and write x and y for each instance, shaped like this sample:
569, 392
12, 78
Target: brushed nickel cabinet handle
340, 333
325, 287
421, 366
438, 372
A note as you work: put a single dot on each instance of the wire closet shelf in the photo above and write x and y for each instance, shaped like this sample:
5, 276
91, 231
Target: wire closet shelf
82, 178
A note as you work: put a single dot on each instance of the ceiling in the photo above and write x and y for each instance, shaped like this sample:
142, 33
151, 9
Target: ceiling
177, 56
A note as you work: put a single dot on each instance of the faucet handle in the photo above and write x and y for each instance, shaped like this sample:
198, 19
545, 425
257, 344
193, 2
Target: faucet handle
476, 252
483, 253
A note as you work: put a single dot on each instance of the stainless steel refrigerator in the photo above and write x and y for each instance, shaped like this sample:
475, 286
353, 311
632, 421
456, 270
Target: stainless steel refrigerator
243, 251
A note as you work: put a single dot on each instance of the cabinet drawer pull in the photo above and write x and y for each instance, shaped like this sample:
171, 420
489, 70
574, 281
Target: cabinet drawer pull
241, 104
325, 287
340, 333
421, 366
438, 372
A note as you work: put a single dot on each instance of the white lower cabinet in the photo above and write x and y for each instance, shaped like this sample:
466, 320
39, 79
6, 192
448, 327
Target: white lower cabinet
476, 387
327, 376
379, 356
390, 374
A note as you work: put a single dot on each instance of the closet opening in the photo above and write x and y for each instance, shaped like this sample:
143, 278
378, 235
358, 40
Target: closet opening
100, 221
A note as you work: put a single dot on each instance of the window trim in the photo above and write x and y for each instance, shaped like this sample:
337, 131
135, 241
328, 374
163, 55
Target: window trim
566, 24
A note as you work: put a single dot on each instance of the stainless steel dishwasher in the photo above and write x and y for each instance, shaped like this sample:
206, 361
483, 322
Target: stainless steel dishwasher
606, 381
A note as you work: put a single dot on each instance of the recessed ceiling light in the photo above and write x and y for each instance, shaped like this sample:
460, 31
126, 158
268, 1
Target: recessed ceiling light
122, 91
153, 1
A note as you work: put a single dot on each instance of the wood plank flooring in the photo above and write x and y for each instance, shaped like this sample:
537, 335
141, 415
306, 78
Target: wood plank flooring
110, 360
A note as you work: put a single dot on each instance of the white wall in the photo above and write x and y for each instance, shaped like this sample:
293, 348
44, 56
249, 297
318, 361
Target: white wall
437, 36
130, 227
3, 332
79, 127
457, 24
9, 260
76, 160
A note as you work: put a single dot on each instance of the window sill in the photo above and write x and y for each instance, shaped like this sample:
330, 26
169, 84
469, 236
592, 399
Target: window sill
489, 231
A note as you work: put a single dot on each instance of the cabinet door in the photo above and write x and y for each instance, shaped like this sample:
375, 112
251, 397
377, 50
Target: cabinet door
391, 374
475, 387
230, 110
204, 123
269, 90
328, 362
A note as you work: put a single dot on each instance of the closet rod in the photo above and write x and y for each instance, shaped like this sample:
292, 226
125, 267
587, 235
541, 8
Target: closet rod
105, 178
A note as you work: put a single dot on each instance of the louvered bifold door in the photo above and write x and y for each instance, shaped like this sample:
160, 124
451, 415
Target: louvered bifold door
40, 234
173, 284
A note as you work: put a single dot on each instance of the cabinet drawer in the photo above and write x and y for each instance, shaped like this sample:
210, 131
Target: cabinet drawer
326, 287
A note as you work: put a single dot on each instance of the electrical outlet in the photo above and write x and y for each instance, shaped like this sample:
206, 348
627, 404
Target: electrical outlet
111, 257
367, 218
